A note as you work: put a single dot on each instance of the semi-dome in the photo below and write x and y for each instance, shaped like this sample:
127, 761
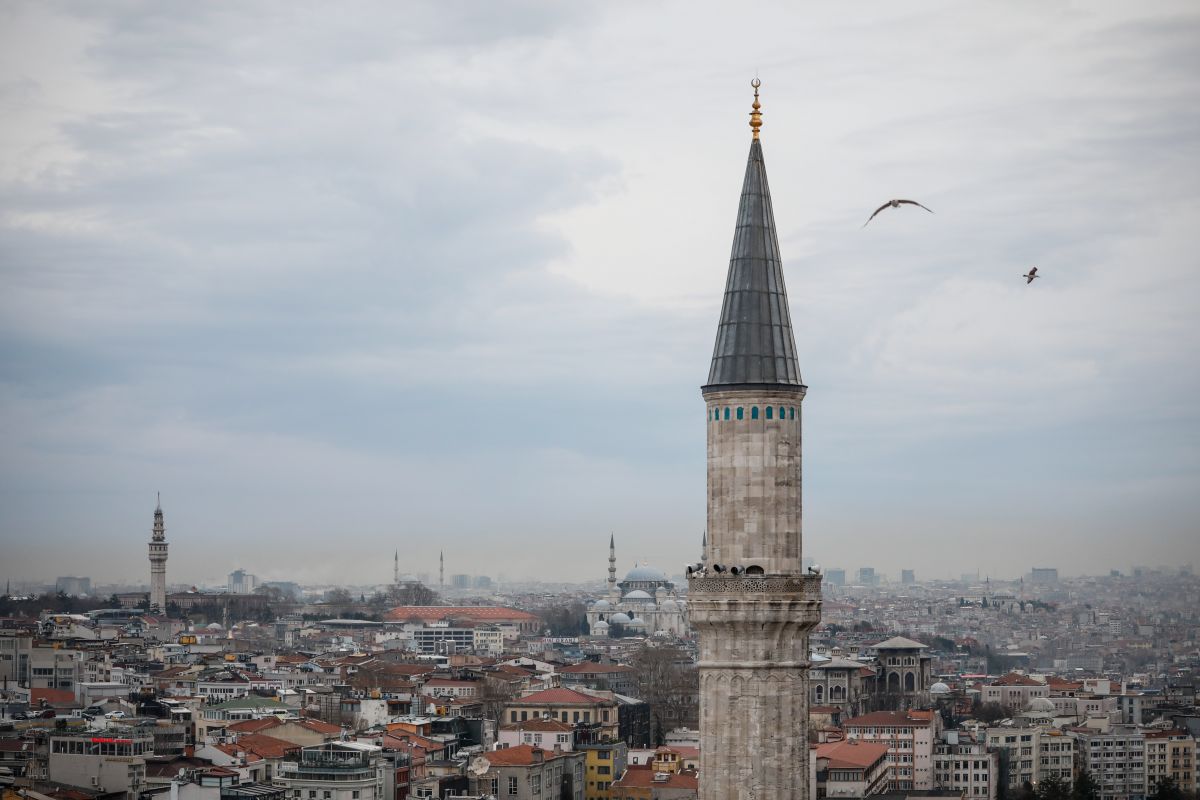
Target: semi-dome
601, 604
619, 618
637, 594
669, 605
939, 688
637, 622
1040, 705
645, 573
600, 625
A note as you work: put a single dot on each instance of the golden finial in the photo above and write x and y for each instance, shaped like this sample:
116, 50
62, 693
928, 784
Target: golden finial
756, 115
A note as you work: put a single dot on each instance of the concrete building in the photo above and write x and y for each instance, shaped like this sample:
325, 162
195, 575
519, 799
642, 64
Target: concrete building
603, 763
851, 769
909, 737
1116, 759
242, 582
101, 762
867, 576
525, 772
964, 765
1032, 754
158, 563
565, 705
905, 672
334, 771
908, 577
1044, 575
835, 577
1170, 754
752, 604
75, 587
1014, 691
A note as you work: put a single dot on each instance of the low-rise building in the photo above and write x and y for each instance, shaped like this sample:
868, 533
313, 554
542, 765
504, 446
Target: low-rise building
103, 763
528, 773
851, 769
909, 736
334, 771
962, 764
1116, 759
1170, 754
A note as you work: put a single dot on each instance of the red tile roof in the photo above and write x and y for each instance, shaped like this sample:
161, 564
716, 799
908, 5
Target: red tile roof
264, 746
641, 776
521, 755
852, 754
888, 719
559, 697
254, 725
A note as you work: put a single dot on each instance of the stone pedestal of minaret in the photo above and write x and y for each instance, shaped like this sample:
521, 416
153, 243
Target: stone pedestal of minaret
751, 605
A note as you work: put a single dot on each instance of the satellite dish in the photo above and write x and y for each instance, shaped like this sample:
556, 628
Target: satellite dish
480, 766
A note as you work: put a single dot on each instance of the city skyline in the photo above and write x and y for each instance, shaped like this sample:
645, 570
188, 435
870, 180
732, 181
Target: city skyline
455, 289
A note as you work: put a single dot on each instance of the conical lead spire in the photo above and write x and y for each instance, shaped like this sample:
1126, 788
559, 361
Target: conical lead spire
755, 344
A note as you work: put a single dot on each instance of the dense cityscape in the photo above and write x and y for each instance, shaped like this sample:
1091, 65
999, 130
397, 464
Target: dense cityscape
743, 670
435, 685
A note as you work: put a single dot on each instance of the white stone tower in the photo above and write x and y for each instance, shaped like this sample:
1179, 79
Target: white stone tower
752, 605
158, 562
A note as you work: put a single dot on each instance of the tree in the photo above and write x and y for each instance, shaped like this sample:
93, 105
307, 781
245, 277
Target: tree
990, 712
338, 597
670, 683
1085, 787
1167, 789
568, 620
1052, 788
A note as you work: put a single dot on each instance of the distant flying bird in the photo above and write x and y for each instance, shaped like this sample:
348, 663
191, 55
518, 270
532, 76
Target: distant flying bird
894, 204
1029, 276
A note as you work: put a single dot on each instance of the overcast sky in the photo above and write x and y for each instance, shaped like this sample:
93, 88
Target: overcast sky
338, 281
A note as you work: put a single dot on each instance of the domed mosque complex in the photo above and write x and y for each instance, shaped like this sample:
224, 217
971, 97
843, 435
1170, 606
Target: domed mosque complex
643, 603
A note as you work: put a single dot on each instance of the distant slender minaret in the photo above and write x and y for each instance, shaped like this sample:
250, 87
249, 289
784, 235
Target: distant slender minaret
613, 595
158, 562
442, 571
704, 546
754, 606
396, 570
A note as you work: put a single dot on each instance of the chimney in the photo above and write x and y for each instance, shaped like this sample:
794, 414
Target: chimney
538, 755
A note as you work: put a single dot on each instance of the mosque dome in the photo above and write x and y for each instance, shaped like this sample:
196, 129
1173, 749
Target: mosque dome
619, 618
637, 622
669, 605
645, 573
601, 605
600, 626
1040, 705
637, 594
939, 688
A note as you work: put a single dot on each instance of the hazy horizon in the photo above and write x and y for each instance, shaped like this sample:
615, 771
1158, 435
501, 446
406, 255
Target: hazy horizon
446, 276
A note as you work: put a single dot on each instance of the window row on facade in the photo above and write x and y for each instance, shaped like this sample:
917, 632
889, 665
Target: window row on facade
739, 412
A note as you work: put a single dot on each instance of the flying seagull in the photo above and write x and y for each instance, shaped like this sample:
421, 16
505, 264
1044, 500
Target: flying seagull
894, 204
1029, 276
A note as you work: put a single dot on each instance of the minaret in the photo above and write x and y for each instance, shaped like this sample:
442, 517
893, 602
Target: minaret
752, 606
441, 571
613, 593
396, 570
158, 562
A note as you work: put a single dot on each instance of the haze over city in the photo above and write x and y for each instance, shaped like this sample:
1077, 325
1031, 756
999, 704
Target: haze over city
445, 277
